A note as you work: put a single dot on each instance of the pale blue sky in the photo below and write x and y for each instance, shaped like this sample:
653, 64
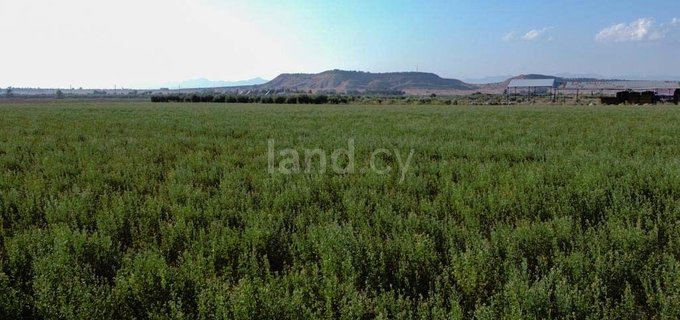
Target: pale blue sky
142, 43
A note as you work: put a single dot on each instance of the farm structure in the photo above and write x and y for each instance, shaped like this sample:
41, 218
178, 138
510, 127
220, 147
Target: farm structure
532, 87
609, 91
610, 88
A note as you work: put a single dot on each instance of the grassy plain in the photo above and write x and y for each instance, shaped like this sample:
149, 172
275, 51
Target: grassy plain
140, 210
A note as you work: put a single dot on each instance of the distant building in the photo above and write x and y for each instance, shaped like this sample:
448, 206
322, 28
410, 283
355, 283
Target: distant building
531, 86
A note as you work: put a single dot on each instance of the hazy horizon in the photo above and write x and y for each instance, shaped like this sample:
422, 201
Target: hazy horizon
144, 44
210, 83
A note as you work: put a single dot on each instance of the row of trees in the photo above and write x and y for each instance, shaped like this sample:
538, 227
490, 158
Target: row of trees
219, 98
9, 92
303, 98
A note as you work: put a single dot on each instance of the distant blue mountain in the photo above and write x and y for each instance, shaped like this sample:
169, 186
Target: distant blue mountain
581, 76
650, 78
496, 79
620, 77
487, 80
205, 83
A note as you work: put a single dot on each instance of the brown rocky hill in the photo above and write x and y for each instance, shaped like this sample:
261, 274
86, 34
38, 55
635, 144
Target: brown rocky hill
349, 81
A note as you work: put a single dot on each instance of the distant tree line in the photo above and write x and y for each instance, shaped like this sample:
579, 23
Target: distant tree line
323, 98
268, 99
385, 92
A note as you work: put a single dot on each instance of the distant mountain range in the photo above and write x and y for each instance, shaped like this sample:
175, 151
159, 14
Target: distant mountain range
419, 83
650, 78
409, 83
205, 83
487, 80
496, 79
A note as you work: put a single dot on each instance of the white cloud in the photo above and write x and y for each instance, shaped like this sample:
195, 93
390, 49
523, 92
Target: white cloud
675, 22
643, 29
537, 34
510, 36
531, 35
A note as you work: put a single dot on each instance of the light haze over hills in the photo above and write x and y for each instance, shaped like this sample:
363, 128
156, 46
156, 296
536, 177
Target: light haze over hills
132, 44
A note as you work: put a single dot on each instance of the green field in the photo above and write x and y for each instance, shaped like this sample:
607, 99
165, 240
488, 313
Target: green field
139, 210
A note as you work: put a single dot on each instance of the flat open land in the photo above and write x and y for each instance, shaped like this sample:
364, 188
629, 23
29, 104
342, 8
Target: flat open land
138, 210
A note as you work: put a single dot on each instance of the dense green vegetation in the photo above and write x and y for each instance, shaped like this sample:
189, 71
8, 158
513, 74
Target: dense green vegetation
369, 98
140, 210
321, 98
263, 99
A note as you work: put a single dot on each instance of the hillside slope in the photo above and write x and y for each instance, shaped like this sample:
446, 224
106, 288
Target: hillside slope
346, 81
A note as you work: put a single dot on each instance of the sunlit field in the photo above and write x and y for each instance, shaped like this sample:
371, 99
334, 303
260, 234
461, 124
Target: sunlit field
139, 210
